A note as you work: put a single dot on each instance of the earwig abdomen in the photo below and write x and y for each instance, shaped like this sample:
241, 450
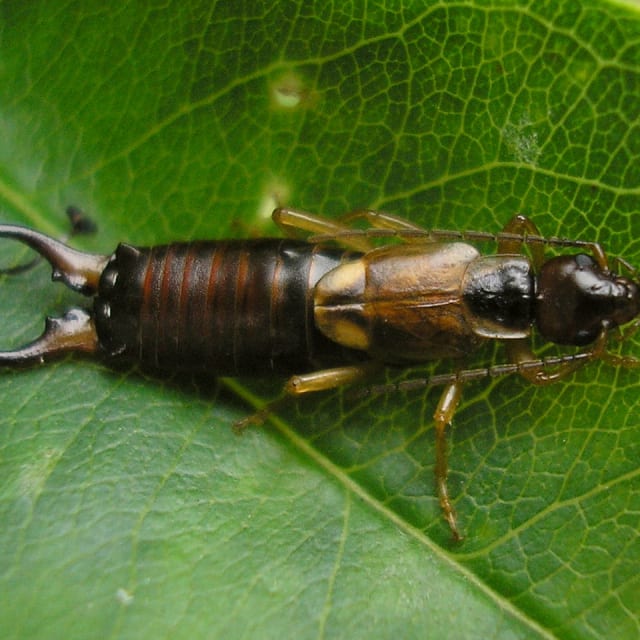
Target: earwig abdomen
229, 307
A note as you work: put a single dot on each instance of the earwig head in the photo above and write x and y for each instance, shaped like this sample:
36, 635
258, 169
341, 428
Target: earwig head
576, 300
80, 271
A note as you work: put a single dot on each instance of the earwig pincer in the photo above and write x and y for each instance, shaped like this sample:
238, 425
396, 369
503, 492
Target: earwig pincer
342, 302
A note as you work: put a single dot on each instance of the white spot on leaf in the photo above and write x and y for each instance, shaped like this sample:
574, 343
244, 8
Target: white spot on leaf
124, 597
522, 141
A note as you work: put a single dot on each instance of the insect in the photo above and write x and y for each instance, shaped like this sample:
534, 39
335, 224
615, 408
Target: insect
334, 306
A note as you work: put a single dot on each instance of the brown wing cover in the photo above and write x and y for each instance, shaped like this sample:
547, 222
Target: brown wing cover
401, 304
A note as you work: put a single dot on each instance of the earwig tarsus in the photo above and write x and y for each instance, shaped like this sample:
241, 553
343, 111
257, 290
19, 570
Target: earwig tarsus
333, 307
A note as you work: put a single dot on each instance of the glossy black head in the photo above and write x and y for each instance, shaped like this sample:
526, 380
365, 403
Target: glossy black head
576, 300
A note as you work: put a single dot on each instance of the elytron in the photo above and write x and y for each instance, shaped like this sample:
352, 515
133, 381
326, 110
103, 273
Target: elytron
333, 302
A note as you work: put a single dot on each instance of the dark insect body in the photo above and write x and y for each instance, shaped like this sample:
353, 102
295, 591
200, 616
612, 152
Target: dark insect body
334, 307
229, 307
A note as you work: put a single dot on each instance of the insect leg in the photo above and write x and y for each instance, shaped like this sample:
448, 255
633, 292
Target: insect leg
386, 225
524, 227
380, 220
443, 416
322, 380
295, 223
331, 378
326, 379
520, 352
628, 362
519, 231
625, 333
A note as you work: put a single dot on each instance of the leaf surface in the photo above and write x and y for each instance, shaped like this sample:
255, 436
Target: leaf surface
128, 506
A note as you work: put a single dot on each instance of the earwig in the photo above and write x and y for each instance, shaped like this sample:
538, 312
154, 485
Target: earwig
330, 308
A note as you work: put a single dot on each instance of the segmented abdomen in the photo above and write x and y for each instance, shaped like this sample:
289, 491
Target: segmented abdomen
229, 307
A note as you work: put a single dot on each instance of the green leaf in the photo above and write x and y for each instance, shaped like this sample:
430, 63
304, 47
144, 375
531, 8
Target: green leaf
128, 506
